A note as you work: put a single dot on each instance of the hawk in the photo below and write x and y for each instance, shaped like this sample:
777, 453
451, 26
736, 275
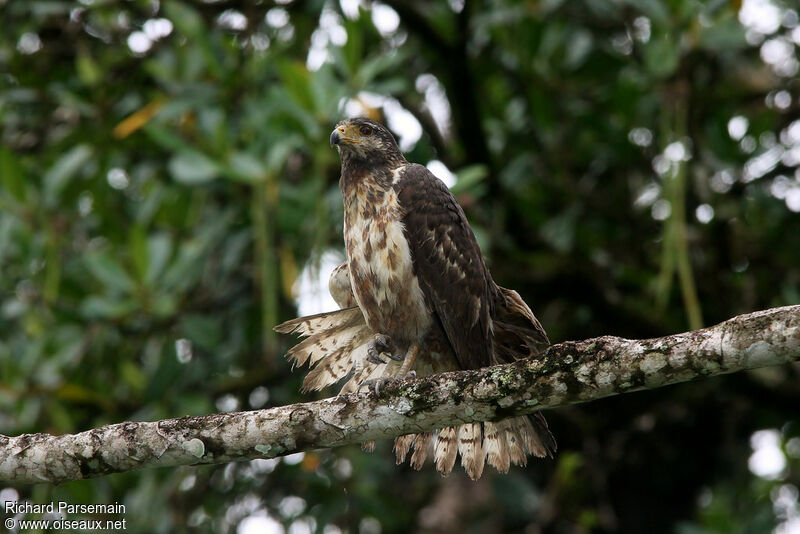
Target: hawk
416, 297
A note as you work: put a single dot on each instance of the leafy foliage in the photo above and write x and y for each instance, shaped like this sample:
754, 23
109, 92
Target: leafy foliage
630, 167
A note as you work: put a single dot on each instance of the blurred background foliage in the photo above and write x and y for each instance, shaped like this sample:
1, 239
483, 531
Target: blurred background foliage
167, 195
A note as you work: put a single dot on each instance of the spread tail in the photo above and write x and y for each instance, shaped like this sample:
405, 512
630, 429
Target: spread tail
500, 444
335, 345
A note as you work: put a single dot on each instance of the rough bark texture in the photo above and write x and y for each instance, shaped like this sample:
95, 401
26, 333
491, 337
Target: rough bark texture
571, 372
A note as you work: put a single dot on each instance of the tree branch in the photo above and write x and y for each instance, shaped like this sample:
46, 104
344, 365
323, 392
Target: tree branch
571, 372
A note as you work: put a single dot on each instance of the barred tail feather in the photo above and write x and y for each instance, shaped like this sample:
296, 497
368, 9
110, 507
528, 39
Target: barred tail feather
422, 444
470, 447
321, 322
320, 345
495, 445
445, 450
402, 445
512, 440
514, 445
336, 365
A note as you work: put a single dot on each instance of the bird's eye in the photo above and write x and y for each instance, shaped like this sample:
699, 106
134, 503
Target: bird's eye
366, 130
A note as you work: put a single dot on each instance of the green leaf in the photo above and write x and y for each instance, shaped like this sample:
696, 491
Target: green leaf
166, 138
246, 167
138, 247
468, 178
202, 330
190, 23
163, 305
579, 48
280, 152
69, 345
185, 269
662, 56
352, 51
159, 250
295, 78
725, 34
149, 254
106, 269
154, 194
370, 69
87, 69
107, 308
132, 376
58, 176
12, 176
59, 417
193, 168
185, 19
389, 86
187, 266
559, 231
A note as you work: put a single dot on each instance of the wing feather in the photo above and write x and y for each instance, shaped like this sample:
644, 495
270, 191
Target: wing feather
448, 264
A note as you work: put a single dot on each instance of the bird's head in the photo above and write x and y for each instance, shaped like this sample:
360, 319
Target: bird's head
364, 139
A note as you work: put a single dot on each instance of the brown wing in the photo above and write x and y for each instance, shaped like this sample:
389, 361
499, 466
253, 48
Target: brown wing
448, 264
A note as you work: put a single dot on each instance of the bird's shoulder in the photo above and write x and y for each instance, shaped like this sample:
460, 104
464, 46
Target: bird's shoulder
414, 174
420, 192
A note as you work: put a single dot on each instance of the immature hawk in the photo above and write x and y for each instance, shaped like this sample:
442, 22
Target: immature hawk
415, 289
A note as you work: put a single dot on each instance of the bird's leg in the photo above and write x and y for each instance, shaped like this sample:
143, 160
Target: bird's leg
378, 345
405, 371
381, 344
408, 361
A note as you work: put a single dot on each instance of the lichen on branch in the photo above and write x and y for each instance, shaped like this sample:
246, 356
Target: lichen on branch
569, 373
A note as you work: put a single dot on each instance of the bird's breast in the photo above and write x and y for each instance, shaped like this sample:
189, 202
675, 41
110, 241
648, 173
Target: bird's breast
381, 265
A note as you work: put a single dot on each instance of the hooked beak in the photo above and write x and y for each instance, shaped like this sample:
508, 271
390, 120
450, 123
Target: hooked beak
335, 138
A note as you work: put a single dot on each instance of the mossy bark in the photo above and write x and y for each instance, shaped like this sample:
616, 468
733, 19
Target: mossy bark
569, 373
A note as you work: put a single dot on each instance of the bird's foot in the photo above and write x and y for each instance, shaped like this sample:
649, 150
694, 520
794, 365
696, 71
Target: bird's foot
376, 384
381, 344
